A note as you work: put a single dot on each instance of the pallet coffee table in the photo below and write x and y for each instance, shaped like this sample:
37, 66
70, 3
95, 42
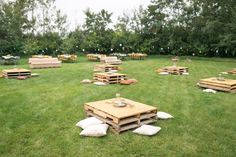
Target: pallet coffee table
174, 70
233, 71
110, 78
225, 85
131, 116
105, 67
14, 73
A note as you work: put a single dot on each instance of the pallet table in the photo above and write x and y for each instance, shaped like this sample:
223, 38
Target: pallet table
14, 73
9, 60
131, 116
95, 57
110, 78
67, 58
105, 67
174, 70
137, 55
111, 60
225, 85
44, 63
233, 71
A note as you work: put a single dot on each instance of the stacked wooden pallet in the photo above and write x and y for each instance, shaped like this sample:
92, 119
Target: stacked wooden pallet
44, 63
225, 85
131, 116
233, 71
174, 70
67, 58
109, 78
138, 56
95, 57
105, 67
14, 73
111, 60
41, 56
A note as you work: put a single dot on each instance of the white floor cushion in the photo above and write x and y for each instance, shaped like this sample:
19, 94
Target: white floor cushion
163, 73
163, 115
86, 81
147, 130
99, 83
209, 91
95, 130
185, 73
88, 122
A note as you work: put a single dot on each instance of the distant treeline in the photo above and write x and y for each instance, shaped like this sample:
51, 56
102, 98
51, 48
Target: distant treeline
176, 27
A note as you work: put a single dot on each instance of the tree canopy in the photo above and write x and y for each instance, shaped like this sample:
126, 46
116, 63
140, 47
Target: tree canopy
177, 27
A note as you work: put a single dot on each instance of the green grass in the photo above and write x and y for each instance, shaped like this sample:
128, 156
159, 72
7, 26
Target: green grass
38, 115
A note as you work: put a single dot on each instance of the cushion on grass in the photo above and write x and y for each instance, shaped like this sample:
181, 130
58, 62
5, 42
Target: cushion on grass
163, 115
86, 81
100, 83
163, 73
95, 130
185, 73
147, 130
128, 82
88, 122
209, 91
34, 75
21, 77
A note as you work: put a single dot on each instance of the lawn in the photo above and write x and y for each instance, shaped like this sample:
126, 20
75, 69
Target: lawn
38, 115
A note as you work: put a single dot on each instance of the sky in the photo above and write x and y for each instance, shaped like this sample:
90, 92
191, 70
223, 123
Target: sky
74, 8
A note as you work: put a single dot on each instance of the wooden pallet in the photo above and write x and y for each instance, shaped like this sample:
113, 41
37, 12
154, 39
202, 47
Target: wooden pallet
105, 67
113, 78
137, 56
226, 85
14, 73
67, 58
121, 119
95, 57
41, 56
37, 63
175, 70
233, 71
111, 60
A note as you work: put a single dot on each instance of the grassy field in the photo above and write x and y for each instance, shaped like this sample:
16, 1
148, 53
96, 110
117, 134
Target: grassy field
38, 115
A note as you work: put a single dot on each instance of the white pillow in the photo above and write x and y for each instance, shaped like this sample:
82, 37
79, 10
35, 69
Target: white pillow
95, 130
185, 73
147, 130
88, 122
164, 73
209, 91
86, 81
163, 115
99, 83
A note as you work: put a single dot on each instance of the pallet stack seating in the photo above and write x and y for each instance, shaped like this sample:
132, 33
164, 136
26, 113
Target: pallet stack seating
44, 63
233, 71
67, 58
14, 73
41, 56
137, 56
95, 57
120, 119
9, 60
109, 78
111, 60
226, 85
105, 67
175, 70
